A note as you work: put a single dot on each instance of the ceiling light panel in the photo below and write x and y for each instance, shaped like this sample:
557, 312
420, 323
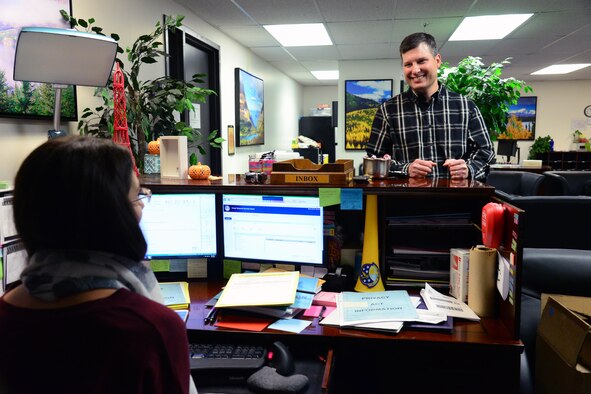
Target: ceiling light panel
561, 69
488, 27
298, 35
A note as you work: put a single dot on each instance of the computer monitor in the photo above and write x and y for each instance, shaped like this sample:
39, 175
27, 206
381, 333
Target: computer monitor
180, 226
273, 229
507, 148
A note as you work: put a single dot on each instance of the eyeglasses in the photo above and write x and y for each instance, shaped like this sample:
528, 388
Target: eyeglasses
143, 194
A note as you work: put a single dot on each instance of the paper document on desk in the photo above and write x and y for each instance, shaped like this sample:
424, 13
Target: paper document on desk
440, 303
175, 294
391, 327
378, 306
276, 288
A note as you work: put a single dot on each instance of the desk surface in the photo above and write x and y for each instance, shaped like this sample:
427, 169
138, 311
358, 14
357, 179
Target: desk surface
487, 332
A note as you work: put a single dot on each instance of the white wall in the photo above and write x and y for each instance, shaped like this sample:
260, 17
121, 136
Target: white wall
130, 19
314, 96
560, 112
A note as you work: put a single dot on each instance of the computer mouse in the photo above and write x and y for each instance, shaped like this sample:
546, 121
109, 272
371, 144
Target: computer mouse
281, 359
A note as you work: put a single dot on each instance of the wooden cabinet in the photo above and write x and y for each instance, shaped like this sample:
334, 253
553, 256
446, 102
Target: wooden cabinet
567, 160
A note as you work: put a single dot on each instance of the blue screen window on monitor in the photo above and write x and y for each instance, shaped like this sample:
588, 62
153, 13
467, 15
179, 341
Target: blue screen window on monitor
180, 226
273, 229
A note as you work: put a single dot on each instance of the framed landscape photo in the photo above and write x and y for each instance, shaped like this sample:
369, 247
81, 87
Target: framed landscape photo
29, 100
362, 99
250, 108
521, 121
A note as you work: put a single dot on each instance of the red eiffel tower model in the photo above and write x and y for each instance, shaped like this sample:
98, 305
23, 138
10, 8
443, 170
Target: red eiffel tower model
120, 131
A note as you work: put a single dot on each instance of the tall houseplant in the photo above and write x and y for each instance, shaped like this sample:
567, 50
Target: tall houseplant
484, 85
151, 104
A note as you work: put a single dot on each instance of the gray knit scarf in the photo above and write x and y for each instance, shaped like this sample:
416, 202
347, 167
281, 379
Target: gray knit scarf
51, 275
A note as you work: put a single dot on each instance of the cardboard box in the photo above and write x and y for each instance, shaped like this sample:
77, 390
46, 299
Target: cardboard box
563, 346
459, 260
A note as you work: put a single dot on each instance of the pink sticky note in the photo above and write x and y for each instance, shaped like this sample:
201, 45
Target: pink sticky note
313, 311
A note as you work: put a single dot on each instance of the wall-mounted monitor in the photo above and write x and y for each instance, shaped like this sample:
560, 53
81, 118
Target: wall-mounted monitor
180, 226
273, 229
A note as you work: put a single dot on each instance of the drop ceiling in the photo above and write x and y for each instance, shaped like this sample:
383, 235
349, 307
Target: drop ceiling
559, 32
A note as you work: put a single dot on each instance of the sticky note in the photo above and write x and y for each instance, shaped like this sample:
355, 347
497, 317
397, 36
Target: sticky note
290, 325
160, 265
352, 199
231, 267
329, 196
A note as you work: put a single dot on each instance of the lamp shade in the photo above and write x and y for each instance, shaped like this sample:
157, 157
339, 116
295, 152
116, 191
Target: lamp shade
63, 56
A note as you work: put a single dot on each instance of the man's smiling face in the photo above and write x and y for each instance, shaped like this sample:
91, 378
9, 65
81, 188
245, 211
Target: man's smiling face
420, 70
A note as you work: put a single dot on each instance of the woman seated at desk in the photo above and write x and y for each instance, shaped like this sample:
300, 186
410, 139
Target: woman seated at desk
82, 320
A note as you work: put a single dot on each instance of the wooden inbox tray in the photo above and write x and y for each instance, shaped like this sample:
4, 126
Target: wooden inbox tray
304, 171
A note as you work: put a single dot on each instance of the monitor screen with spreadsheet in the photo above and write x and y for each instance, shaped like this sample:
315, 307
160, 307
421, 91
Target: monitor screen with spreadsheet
180, 225
281, 229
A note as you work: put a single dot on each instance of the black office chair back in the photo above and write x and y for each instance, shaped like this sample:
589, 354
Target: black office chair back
568, 183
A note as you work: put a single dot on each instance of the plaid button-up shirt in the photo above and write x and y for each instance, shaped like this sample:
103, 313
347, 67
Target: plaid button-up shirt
450, 126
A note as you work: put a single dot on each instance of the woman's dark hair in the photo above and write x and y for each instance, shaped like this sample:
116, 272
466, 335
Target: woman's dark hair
414, 40
73, 193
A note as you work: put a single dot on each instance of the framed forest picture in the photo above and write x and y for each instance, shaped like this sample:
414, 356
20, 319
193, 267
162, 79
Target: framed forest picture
362, 99
22, 99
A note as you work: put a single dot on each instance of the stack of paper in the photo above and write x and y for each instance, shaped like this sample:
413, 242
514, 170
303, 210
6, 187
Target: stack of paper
272, 294
389, 311
176, 295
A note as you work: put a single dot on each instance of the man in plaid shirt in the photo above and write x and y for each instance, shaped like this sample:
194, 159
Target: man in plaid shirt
429, 130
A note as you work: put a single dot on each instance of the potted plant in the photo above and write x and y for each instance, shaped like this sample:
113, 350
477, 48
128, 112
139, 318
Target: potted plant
151, 104
484, 85
540, 146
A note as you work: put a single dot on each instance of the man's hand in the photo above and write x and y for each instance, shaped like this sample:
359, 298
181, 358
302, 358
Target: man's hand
458, 169
420, 168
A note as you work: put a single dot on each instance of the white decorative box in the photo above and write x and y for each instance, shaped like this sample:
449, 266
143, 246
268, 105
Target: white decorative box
174, 157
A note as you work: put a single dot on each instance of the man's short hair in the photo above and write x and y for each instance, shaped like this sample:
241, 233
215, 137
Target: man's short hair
414, 40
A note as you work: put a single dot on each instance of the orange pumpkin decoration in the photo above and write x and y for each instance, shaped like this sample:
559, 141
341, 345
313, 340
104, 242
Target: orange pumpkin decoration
154, 147
199, 171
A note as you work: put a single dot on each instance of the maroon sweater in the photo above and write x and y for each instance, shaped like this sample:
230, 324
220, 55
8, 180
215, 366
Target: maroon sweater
124, 343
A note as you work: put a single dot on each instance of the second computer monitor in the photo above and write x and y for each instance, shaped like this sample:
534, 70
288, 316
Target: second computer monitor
507, 148
284, 229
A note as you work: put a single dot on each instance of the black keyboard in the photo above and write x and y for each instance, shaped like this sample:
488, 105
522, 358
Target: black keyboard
206, 356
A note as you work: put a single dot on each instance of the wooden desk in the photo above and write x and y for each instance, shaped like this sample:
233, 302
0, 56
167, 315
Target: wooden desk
476, 357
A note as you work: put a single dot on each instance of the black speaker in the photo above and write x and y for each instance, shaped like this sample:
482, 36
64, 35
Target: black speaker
335, 114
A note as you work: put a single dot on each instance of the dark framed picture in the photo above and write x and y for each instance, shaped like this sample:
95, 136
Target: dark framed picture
362, 99
521, 121
250, 106
29, 100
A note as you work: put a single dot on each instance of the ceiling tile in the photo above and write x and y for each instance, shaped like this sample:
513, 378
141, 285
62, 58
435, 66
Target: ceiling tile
360, 32
273, 54
251, 36
314, 53
370, 51
348, 10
